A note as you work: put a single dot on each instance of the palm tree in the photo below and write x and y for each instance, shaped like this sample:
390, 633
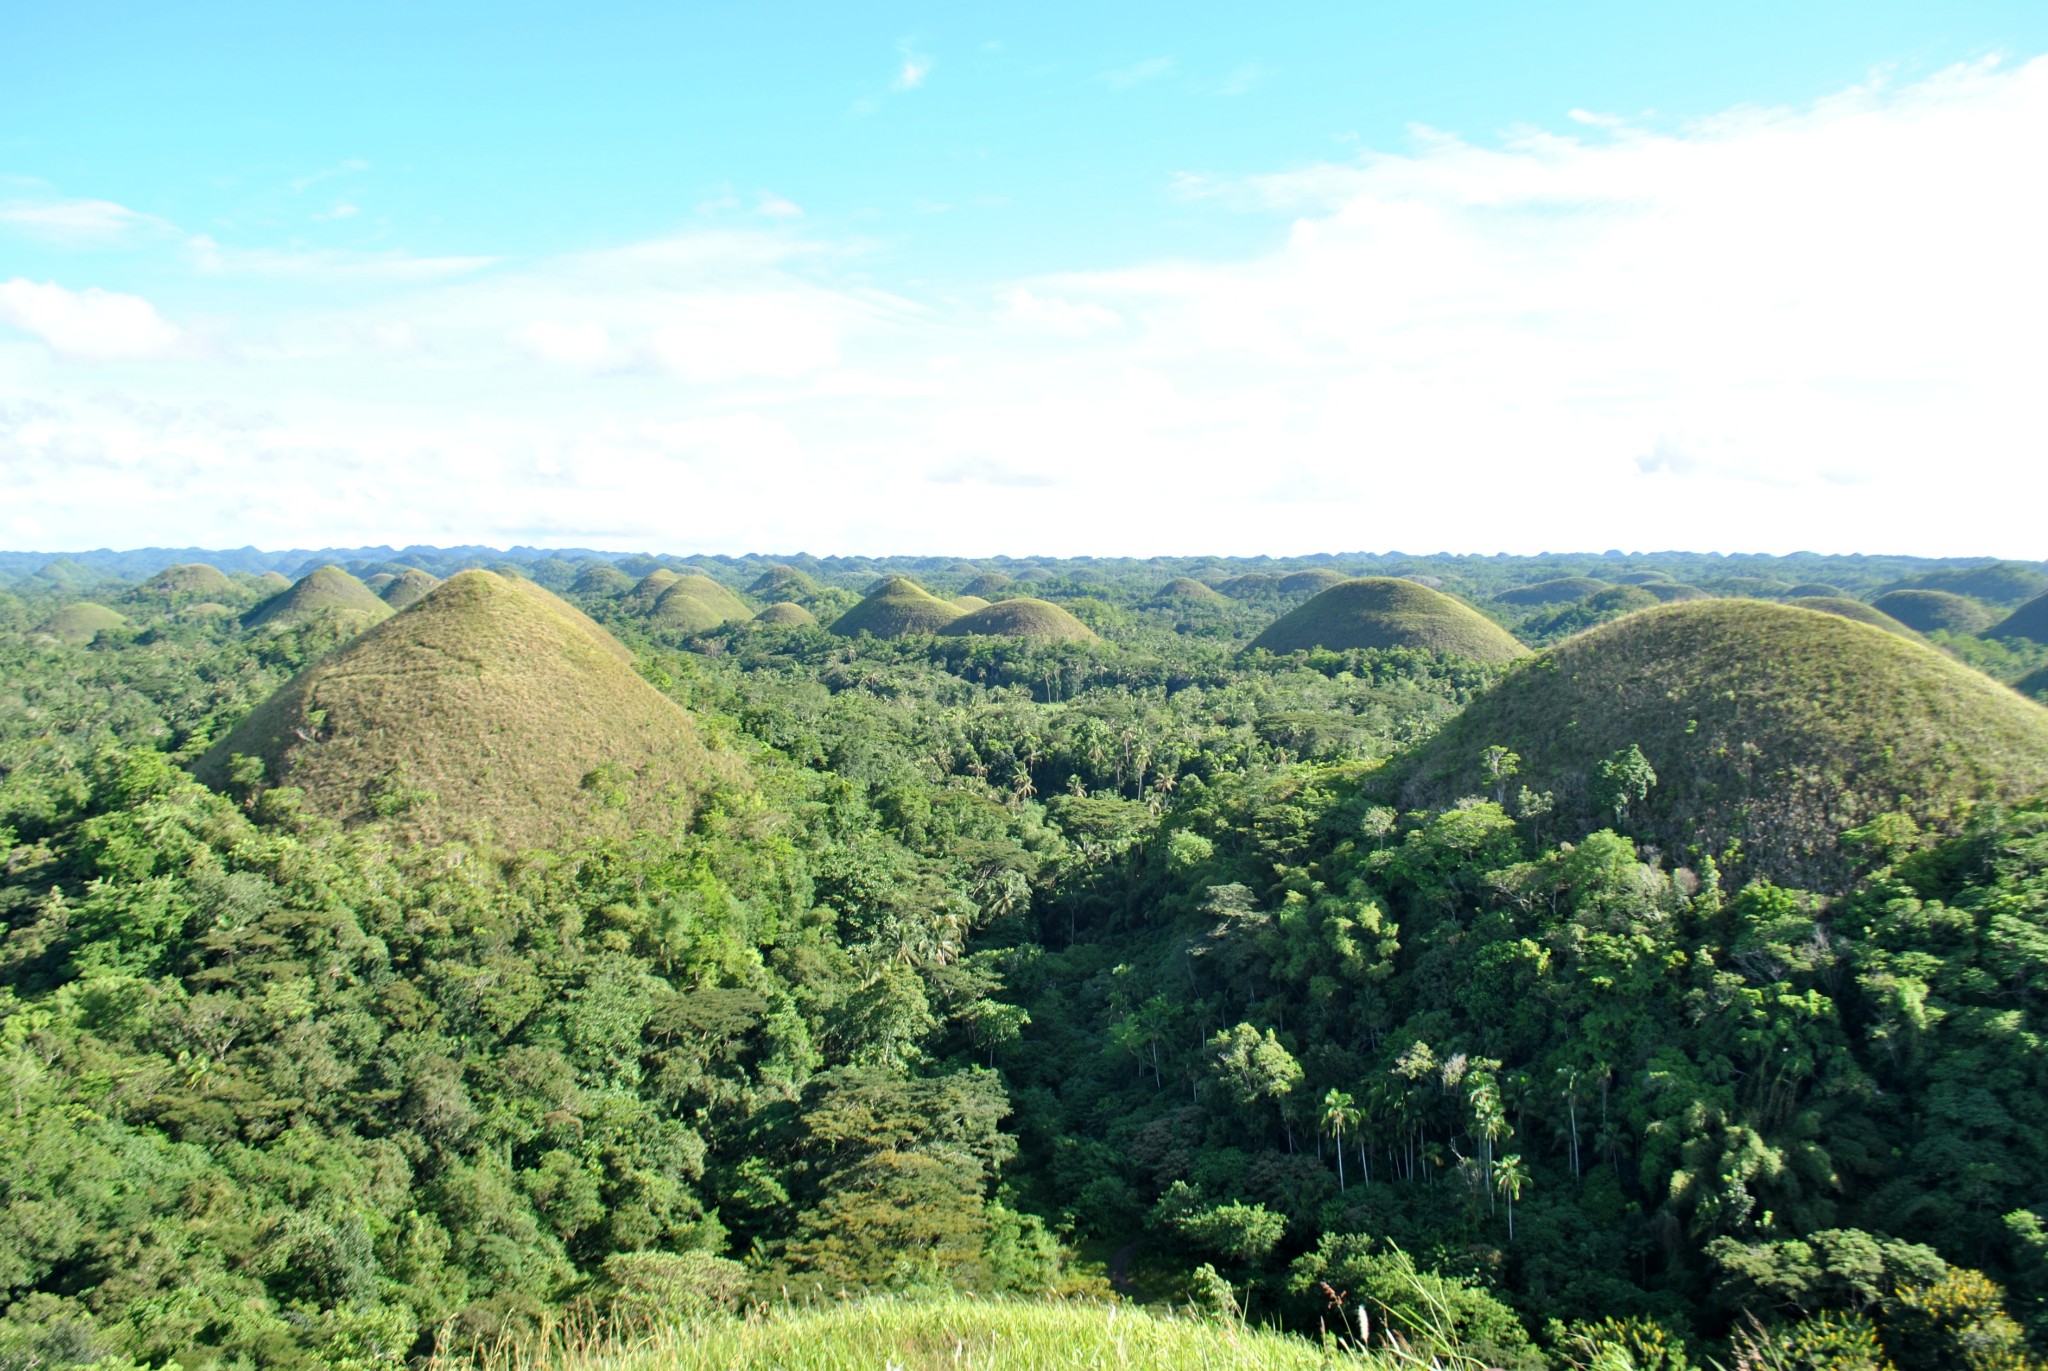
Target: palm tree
1340, 1112
1510, 1178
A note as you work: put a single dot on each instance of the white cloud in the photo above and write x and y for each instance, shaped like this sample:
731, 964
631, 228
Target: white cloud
913, 68
349, 166
582, 346
80, 223
1802, 327
90, 325
773, 206
321, 264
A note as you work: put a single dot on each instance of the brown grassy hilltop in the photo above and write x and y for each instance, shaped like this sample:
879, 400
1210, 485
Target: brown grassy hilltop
490, 710
1390, 612
1768, 725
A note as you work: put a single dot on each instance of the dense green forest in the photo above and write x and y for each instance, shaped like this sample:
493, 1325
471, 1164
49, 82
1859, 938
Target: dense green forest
1606, 961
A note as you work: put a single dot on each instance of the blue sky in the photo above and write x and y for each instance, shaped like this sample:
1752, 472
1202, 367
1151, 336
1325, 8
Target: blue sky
980, 278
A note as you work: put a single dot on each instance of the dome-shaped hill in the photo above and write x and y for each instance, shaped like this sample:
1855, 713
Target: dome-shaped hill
987, 583
1432, 582
1562, 590
81, 622
2035, 685
1817, 590
380, 580
783, 614
490, 710
602, 578
1670, 592
649, 587
2029, 621
780, 582
2000, 583
270, 582
969, 603
193, 579
205, 609
1310, 582
1021, 618
1250, 586
896, 608
1385, 612
1639, 578
1768, 726
1934, 611
1758, 587
1188, 591
408, 588
326, 595
697, 604
1843, 607
1619, 600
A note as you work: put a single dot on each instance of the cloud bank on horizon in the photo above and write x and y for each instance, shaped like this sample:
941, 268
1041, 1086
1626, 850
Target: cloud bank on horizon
1775, 328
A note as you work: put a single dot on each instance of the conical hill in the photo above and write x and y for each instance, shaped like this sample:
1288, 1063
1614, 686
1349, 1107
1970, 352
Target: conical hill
1021, 618
270, 582
1934, 611
326, 595
490, 710
196, 580
1310, 582
602, 578
784, 614
781, 582
81, 622
1187, 590
2029, 621
897, 607
1768, 726
408, 588
697, 604
1386, 612
987, 583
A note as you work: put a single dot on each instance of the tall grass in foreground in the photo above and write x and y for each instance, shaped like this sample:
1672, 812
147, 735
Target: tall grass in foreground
951, 1333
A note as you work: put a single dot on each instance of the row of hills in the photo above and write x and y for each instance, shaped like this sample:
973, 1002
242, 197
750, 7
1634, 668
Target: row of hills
1775, 719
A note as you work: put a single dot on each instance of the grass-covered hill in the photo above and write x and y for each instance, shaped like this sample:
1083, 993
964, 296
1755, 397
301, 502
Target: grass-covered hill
327, 596
782, 582
1817, 590
270, 582
970, 603
2034, 684
1846, 608
1934, 611
196, 580
783, 614
602, 580
1021, 618
1672, 592
407, 588
2000, 583
650, 587
1768, 726
1185, 590
81, 622
958, 1334
1554, 592
1313, 581
1385, 612
489, 709
696, 604
987, 583
2029, 621
896, 608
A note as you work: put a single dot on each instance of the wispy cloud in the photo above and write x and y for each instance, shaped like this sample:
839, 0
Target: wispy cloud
1136, 74
215, 259
1241, 80
81, 223
347, 167
773, 206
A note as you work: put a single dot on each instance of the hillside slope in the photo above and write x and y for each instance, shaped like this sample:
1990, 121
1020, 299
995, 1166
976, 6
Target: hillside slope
1384, 612
490, 709
1771, 726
